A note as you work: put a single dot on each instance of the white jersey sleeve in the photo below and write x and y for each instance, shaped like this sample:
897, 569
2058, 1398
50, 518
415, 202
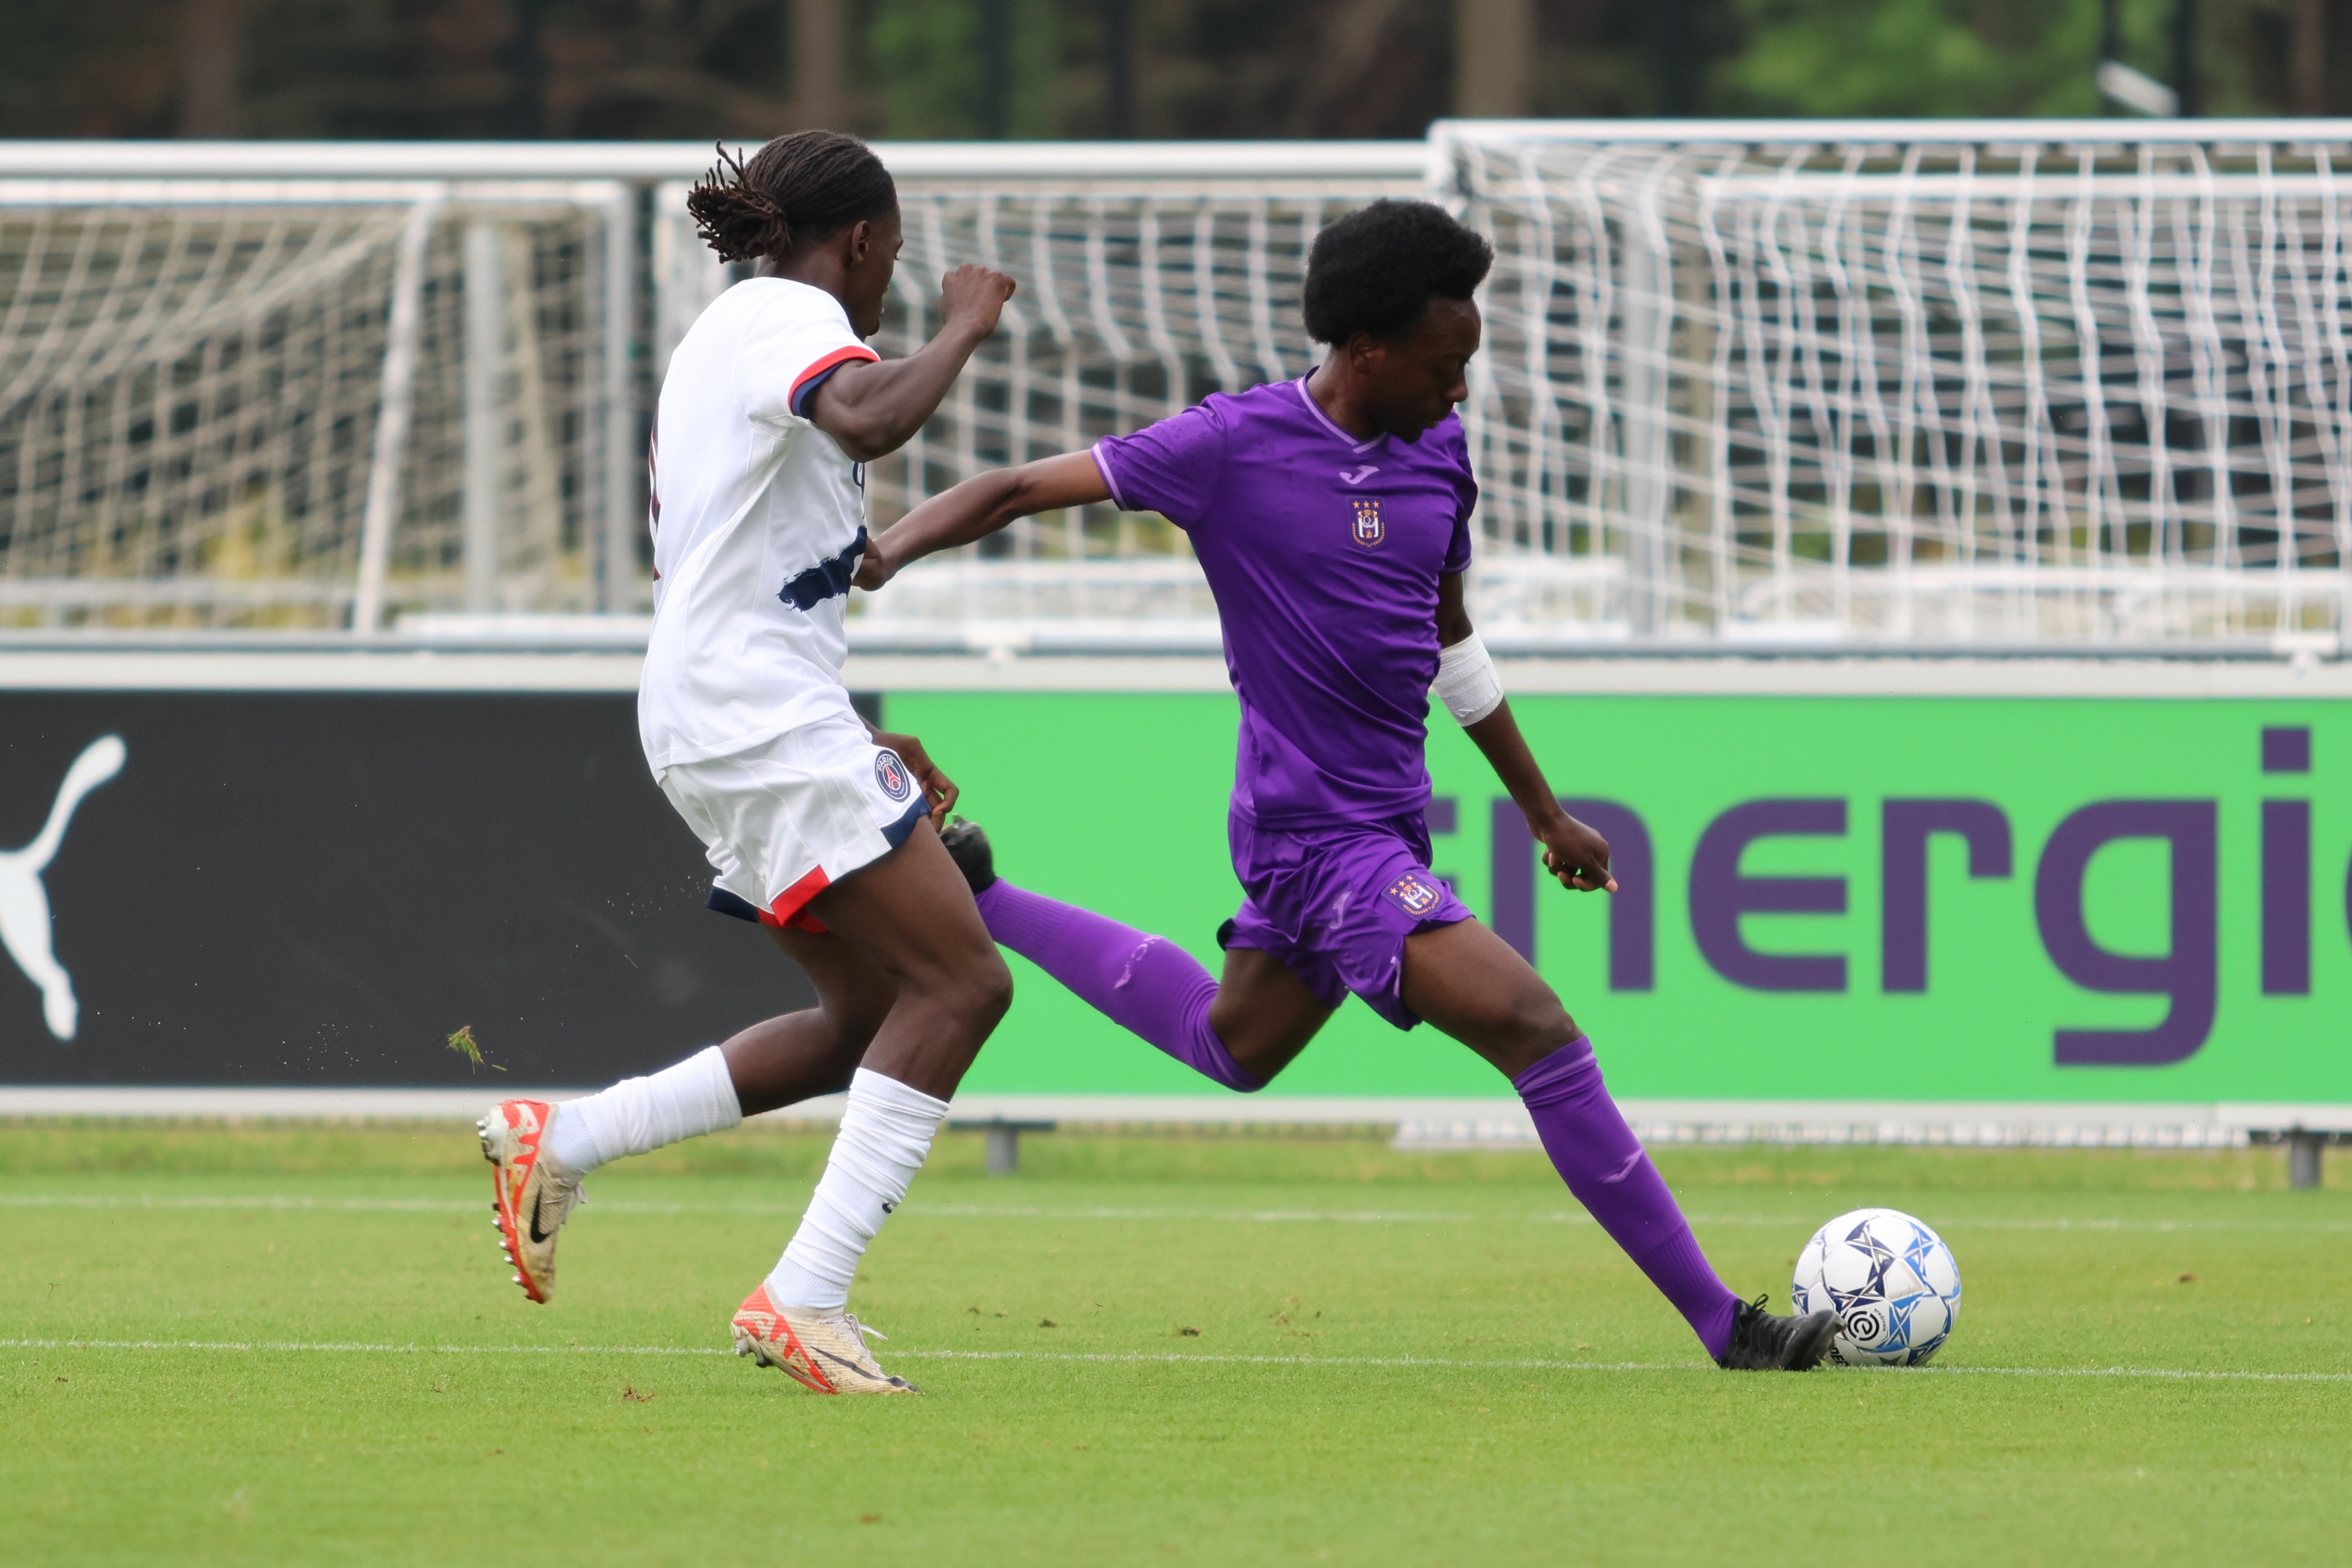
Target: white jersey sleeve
785, 354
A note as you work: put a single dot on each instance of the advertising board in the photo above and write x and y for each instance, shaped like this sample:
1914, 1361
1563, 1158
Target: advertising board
1823, 898
318, 888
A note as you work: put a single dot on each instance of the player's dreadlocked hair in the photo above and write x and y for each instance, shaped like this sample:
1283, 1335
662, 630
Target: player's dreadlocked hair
797, 188
1376, 269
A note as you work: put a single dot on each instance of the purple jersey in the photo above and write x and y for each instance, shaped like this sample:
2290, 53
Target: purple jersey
1324, 553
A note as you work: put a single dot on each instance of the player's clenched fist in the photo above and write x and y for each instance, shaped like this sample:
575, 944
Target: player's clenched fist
973, 297
875, 566
1577, 855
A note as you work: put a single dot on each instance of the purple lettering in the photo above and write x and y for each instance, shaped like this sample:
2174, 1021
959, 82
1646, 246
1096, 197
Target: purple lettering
2286, 751
1632, 964
2287, 870
1511, 860
2186, 973
1905, 826
1442, 814
1721, 895
1631, 908
2287, 898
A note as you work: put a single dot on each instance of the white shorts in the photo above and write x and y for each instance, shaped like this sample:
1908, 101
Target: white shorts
788, 818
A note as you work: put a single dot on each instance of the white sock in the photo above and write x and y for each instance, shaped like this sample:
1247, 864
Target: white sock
639, 1114
885, 1134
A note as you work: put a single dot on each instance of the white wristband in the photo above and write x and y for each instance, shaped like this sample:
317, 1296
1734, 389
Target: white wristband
1466, 682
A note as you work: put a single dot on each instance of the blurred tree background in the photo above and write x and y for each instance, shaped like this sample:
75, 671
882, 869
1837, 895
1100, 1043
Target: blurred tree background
957, 68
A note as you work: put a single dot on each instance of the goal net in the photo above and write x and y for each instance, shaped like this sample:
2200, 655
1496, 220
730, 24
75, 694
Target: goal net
290, 404
1919, 386
1973, 386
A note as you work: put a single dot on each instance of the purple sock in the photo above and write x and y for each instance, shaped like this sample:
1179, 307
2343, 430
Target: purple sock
1146, 984
1604, 1165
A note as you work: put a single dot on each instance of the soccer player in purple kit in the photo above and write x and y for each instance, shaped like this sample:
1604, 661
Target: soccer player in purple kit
1330, 515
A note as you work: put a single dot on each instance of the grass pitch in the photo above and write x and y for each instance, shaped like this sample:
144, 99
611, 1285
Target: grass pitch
297, 1345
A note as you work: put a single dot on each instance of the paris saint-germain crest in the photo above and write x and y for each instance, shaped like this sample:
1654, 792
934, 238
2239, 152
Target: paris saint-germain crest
1369, 530
891, 774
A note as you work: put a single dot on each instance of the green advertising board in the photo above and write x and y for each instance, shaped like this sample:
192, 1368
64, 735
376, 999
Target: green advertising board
1840, 898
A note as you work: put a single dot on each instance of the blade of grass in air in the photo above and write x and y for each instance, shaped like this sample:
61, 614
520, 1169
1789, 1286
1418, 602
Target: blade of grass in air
465, 1044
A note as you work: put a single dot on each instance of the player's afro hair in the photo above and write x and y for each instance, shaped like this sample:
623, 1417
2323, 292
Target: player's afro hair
1376, 269
795, 189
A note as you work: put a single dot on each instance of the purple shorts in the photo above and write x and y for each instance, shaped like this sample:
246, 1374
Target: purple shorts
1335, 904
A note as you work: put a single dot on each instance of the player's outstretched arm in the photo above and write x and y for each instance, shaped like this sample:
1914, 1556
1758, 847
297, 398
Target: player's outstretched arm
873, 407
979, 506
1573, 852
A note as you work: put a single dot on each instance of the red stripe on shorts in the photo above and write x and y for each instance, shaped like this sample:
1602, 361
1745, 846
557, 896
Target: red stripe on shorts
790, 912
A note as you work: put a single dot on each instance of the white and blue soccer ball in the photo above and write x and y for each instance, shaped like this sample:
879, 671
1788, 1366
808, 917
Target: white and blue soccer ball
1891, 1282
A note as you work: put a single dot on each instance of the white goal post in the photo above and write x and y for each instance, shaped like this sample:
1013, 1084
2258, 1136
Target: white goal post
1901, 384
2075, 383
299, 402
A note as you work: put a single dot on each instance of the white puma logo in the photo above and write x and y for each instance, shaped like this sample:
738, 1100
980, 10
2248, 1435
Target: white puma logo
24, 903
1360, 475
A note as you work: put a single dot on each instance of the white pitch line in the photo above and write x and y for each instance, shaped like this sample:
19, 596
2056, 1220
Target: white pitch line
259, 1201
1158, 1357
294, 1202
353, 1348
1573, 1216
1242, 1216
1613, 1365
298, 1203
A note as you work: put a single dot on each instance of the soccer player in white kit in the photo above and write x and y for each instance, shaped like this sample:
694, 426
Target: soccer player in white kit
819, 826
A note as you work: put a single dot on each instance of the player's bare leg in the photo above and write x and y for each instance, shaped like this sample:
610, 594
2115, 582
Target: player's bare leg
1475, 987
782, 1061
911, 918
1263, 1013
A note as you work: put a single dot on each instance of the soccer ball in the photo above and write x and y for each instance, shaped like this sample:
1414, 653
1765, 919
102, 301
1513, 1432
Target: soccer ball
1890, 1279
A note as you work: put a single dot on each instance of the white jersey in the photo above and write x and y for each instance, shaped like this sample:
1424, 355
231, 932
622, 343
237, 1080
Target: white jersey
756, 517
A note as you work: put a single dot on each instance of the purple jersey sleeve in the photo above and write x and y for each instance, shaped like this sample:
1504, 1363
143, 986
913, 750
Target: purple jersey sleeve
1457, 549
1171, 467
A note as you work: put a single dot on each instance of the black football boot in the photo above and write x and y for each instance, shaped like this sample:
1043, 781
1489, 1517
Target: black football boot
1763, 1342
968, 848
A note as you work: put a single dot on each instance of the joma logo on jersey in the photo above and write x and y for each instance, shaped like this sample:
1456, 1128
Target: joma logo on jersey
1369, 529
1412, 894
